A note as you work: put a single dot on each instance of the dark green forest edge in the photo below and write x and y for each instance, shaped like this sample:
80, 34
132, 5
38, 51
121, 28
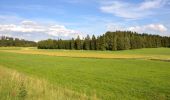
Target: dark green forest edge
119, 40
9, 41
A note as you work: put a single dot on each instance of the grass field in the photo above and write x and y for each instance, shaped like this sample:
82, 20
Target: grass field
152, 53
64, 74
17, 86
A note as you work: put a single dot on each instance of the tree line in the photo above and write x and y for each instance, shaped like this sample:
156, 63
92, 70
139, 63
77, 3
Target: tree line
9, 41
119, 40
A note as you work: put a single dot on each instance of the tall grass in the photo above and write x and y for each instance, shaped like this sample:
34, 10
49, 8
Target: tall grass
17, 86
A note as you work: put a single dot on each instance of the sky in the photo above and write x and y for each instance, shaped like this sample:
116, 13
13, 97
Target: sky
42, 19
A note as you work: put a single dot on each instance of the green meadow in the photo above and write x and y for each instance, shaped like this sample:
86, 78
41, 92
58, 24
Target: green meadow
32, 74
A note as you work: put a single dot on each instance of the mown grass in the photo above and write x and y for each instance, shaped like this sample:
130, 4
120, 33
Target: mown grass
109, 79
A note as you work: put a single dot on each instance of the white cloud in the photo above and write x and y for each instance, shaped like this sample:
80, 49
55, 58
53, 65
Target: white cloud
132, 10
59, 30
31, 29
19, 28
115, 27
151, 4
157, 27
26, 22
149, 28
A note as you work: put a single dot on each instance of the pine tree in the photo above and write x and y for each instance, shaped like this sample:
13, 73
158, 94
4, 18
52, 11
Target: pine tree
126, 43
119, 40
78, 43
72, 44
98, 43
87, 43
93, 43
114, 42
102, 43
120, 43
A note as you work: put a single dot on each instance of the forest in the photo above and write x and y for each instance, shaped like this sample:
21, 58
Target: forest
9, 41
118, 40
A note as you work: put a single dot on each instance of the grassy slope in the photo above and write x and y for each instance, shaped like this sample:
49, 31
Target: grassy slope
17, 86
108, 78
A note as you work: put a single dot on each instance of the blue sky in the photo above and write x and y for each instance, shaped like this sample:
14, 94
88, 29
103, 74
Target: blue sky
42, 19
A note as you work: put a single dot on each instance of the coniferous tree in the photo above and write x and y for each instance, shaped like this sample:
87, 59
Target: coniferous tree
93, 43
87, 43
98, 43
78, 43
114, 42
102, 43
119, 40
120, 43
109, 40
126, 43
72, 44
9, 41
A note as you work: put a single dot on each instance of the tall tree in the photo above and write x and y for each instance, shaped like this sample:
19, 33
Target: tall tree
93, 43
102, 43
127, 43
78, 43
72, 44
87, 43
119, 40
114, 42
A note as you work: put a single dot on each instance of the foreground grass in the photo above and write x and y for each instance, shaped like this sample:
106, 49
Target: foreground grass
18, 86
120, 79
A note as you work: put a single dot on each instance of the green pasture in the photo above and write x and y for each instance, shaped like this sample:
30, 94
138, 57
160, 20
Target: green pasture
107, 79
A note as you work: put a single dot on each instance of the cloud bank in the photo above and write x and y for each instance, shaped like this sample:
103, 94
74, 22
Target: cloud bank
158, 29
34, 30
151, 27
